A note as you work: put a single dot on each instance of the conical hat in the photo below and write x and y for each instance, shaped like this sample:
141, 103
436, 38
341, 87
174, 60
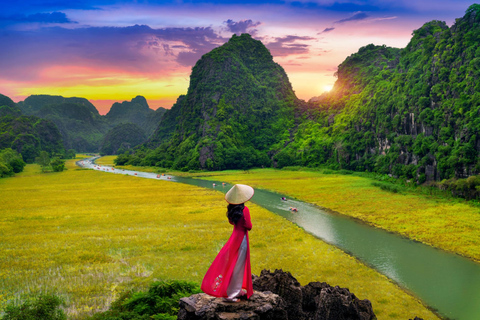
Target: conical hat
239, 193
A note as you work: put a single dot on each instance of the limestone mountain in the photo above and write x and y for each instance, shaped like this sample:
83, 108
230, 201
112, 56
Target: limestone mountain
412, 112
239, 109
135, 111
34, 103
78, 120
122, 138
8, 107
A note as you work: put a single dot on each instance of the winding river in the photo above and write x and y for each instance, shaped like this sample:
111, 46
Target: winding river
448, 283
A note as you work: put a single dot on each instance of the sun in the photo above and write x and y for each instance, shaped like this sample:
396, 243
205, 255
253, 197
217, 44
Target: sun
327, 88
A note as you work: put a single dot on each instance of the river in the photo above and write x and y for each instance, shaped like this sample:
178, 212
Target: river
448, 283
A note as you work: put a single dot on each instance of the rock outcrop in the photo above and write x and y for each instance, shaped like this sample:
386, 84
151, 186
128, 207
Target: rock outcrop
260, 306
316, 300
280, 296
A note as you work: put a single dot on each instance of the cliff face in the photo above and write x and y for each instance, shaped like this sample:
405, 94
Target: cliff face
239, 107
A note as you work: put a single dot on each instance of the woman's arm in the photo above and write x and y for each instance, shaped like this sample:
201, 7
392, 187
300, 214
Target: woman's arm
246, 216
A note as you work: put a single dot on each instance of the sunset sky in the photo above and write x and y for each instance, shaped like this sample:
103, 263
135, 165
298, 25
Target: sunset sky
109, 51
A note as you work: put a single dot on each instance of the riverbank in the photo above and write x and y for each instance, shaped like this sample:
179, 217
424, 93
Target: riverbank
88, 236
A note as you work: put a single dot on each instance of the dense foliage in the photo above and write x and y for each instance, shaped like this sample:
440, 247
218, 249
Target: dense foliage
8, 107
122, 138
57, 164
48, 164
44, 307
11, 162
27, 138
29, 135
160, 302
239, 108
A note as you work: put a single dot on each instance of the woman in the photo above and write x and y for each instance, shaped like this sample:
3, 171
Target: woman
230, 275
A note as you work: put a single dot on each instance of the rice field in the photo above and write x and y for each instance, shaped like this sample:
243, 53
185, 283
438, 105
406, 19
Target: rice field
89, 235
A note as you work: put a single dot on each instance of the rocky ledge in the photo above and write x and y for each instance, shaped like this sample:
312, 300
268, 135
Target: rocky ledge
279, 296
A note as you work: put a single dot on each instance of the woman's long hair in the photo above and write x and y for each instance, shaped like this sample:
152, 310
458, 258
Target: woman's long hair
235, 212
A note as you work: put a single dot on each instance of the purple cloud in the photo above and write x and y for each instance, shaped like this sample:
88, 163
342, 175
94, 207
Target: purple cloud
197, 42
135, 48
54, 17
326, 30
287, 45
241, 26
357, 16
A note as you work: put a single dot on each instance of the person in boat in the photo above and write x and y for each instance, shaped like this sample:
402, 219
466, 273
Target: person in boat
230, 275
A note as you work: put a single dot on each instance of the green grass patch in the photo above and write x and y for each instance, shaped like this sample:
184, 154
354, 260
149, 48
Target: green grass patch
387, 186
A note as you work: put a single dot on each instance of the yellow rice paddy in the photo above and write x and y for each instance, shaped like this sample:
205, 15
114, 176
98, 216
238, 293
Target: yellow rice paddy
88, 235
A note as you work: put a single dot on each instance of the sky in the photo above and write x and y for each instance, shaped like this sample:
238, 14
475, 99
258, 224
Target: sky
111, 51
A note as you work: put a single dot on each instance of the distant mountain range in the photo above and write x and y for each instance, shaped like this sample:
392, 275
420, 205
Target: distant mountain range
77, 124
82, 127
413, 113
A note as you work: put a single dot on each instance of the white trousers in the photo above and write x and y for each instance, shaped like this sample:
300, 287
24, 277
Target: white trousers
235, 286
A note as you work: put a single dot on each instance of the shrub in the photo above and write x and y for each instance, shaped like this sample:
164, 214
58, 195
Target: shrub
328, 171
10, 162
57, 165
160, 302
292, 168
387, 187
45, 307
